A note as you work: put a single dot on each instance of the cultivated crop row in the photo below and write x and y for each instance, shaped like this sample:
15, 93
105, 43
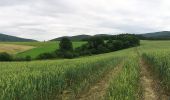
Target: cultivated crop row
49, 79
160, 65
126, 85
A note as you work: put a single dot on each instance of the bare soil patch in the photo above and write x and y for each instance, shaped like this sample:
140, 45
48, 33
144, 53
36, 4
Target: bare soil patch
13, 49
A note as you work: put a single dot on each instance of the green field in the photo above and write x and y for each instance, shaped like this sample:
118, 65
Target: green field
159, 58
68, 79
39, 47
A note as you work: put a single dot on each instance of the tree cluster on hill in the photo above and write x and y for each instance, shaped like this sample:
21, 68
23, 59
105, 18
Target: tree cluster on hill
98, 45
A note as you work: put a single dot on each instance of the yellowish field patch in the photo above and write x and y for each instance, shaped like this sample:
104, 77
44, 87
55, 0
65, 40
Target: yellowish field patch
13, 49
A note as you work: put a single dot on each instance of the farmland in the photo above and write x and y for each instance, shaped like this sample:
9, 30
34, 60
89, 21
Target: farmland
37, 47
67, 79
13, 48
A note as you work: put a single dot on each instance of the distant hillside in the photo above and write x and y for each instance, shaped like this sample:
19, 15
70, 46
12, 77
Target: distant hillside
100, 35
82, 37
157, 35
163, 35
8, 38
73, 38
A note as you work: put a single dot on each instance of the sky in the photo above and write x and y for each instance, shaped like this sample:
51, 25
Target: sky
48, 19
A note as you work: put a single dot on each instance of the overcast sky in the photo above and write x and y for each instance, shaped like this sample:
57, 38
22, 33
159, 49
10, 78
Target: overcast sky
47, 19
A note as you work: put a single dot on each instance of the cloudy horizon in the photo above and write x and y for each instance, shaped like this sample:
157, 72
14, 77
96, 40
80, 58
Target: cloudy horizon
48, 19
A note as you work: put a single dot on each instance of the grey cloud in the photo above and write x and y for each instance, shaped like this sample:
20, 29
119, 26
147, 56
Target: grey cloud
47, 19
12, 2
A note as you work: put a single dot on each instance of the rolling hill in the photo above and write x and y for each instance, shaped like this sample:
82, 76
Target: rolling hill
81, 37
162, 34
155, 35
73, 38
8, 38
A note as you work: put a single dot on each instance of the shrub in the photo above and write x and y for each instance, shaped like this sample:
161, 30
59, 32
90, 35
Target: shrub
28, 58
76, 54
66, 54
46, 56
19, 59
85, 52
5, 57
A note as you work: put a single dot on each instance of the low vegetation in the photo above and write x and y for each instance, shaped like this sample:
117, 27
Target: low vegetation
160, 63
5, 57
41, 47
126, 85
41, 50
46, 79
54, 79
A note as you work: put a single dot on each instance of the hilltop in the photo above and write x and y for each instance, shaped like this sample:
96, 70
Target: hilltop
8, 38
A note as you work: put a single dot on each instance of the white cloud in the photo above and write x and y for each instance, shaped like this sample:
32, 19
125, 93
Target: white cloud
47, 19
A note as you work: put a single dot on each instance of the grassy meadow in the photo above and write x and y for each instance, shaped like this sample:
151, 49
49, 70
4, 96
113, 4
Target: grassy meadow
51, 79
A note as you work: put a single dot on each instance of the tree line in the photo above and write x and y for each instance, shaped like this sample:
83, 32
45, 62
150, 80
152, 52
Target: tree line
97, 45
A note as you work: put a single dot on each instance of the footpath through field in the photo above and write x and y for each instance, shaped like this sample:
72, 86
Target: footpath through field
98, 90
147, 82
151, 87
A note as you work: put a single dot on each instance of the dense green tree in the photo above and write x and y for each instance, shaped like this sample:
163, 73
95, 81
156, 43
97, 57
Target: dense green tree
117, 45
102, 49
97, 45
66, 49
114, 45
95, 42
65, 45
